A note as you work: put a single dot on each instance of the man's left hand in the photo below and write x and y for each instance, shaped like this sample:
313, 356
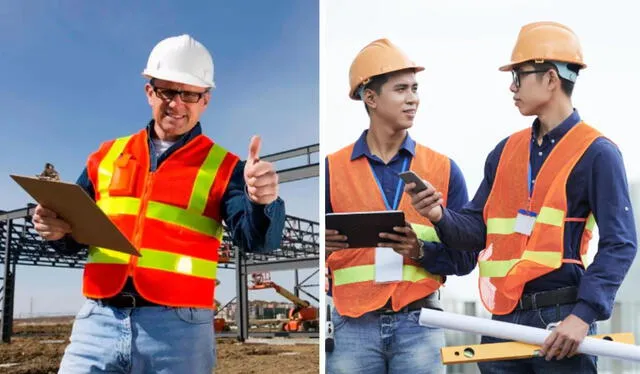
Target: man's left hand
260, 176
565, 338
405, 241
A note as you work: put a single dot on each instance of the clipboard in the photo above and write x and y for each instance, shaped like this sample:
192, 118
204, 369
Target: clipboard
362, 228
90, 225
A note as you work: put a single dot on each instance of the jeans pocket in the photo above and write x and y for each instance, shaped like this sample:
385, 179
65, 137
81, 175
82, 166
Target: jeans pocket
337, 319
196, 316
553, 314
86, 309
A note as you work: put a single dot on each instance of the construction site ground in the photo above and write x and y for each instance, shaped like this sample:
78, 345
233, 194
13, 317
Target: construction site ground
37, 347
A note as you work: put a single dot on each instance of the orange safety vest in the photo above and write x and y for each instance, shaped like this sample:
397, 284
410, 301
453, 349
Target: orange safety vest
171, 215
354, 189
512, 259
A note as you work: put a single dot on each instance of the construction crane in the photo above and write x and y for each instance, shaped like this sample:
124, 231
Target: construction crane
302, 317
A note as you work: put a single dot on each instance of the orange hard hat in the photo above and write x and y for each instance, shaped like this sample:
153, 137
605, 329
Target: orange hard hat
378, 57
546, 41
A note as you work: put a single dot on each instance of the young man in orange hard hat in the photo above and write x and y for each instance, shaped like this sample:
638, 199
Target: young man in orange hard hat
375, 322
168, 188
545, 188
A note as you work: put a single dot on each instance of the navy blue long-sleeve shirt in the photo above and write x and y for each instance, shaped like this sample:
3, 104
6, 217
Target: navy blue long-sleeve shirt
597, 183
253, 227
438, 259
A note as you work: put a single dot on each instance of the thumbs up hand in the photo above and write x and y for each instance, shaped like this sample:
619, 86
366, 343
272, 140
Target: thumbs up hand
260, 176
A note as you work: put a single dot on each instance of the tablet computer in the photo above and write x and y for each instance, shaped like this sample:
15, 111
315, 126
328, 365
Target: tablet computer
363, 228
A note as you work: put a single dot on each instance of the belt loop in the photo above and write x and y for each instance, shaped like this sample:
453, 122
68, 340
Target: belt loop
533, 301
520, 303
133, 299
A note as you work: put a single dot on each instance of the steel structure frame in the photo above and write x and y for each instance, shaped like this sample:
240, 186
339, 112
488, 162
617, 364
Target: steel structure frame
21, 245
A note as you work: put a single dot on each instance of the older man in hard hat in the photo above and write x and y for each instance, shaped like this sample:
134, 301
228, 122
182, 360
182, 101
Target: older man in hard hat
545, 188
376, 322
168, 188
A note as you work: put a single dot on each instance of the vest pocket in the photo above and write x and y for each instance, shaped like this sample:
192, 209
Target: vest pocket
123, 181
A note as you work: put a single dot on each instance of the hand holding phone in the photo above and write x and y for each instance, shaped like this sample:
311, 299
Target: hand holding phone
411, 177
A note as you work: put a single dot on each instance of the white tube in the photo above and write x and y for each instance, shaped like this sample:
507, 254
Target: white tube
525, 334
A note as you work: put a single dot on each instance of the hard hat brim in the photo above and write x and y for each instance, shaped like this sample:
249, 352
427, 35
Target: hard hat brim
510, 66
178, 77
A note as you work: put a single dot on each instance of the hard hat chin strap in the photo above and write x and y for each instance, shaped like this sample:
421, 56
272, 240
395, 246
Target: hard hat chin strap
565, 72
361, 92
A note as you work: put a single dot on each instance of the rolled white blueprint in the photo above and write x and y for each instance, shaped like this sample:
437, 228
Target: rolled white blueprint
525, 334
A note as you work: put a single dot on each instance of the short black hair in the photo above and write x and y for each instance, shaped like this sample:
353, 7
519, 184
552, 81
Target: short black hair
375, 83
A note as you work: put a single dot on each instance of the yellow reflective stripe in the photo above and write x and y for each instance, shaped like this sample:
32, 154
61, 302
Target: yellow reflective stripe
105, 169
353, 274
412, 273
500, 268
120, 205
176, 263
204, 180
366, 273
550, 216
425, 233
501, 226
184, 218
98, 255
591, 222
504, 226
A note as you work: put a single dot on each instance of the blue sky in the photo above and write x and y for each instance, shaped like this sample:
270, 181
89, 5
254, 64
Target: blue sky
71, 75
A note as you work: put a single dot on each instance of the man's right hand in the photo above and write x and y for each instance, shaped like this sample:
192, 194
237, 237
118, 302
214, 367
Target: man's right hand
48, 225
427, 202
333, 241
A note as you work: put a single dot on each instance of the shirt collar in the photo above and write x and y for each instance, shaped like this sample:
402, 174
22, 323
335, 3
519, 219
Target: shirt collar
361, 148
184, 139
559, 131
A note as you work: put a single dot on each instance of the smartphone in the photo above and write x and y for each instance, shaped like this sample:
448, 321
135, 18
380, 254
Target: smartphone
411, 177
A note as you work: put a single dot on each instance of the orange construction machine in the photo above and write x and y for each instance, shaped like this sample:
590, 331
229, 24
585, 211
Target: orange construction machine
219, 324
302, 317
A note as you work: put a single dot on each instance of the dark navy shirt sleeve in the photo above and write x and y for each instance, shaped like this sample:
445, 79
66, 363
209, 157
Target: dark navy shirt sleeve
608, 196
253, 227
465, 229
439, 258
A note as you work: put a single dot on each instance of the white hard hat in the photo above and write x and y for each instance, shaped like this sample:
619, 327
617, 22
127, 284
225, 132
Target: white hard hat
181, 59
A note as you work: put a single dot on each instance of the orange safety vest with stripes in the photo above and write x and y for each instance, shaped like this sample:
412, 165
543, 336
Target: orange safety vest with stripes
172, 216
353, 188
511, 259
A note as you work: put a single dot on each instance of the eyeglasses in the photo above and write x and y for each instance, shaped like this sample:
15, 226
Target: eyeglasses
516, 75
168, 94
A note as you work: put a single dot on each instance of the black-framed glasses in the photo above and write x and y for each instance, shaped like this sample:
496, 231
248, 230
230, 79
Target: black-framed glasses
516, 74
168, 94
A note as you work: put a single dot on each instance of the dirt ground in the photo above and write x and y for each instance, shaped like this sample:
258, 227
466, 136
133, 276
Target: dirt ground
37, 347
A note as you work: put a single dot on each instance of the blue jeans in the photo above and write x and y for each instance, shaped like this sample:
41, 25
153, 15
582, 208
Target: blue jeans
384, 343
150, 339
540, 318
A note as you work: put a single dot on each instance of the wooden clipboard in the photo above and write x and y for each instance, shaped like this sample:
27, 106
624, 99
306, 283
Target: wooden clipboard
90, 225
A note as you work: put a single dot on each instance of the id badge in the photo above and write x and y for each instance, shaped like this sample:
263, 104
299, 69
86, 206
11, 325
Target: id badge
525, 220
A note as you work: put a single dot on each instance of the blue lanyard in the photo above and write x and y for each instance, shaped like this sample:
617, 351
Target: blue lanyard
529, 172
396, 199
